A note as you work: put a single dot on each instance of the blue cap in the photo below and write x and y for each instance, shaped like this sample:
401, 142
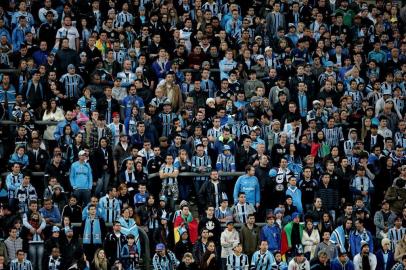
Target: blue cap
295, 215
226, 147
160, 247
329, 64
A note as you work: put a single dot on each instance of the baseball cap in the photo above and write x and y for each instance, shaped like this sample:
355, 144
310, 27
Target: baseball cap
160, 247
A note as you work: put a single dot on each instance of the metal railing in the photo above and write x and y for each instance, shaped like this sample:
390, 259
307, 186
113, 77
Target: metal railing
190, 174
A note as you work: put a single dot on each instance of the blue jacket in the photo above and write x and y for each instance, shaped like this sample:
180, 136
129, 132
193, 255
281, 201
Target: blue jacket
219, 144
271, 234
336, 265
53, 214
23, 161
59, 128
225, 67
13, 182
82, 102
129, 101
249, 185
18, 37
40, 57
355, 241
296, 198
380, 263
81, 176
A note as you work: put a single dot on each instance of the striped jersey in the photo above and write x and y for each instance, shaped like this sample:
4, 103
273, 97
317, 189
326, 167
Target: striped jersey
169, 181
237, 262
262, 261
395, 235
356, 97
216, 133
197, 162
124, 17
333, 135
222, 214
24, 265
225, 163
400, 139
72, 85
166, 120
241, 212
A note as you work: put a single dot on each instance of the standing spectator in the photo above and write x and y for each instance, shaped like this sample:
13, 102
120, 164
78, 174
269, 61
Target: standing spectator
114, 242
310, 240
81, 178
229, 240
271, 234
359, 237
248, 184
249, 236
94, 230
327, 246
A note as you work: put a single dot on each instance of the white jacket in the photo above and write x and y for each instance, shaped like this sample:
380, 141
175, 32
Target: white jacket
310, 242
228, 241
294, 265
358, 261
52, 116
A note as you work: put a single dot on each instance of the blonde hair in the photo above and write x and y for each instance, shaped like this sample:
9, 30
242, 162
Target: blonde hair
188, 255
100, 264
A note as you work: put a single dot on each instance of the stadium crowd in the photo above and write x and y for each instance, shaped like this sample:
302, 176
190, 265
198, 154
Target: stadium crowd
263, 134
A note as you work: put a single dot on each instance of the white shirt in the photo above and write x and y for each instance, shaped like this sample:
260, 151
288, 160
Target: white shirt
71, 33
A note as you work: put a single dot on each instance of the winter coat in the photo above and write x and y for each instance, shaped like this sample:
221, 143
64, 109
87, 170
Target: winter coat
358, 261
310, 242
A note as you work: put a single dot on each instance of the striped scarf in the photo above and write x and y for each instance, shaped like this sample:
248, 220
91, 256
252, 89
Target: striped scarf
239, 262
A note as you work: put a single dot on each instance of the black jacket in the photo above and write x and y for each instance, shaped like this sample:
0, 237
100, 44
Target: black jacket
111, 244
74, 213
102, 106
98, 161
41, 159
207, 195
65, 57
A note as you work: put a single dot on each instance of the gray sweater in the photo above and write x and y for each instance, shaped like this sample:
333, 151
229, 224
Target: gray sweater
12, 247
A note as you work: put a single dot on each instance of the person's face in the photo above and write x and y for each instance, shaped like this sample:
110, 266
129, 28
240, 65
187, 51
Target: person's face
242, 198
211, 247
251, 220
20, 256
13, 233
48, 205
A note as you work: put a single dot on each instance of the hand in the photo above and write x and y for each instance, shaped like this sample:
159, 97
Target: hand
365, 193
257, 205
212, 256
33, 231
210, 234
39, 230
